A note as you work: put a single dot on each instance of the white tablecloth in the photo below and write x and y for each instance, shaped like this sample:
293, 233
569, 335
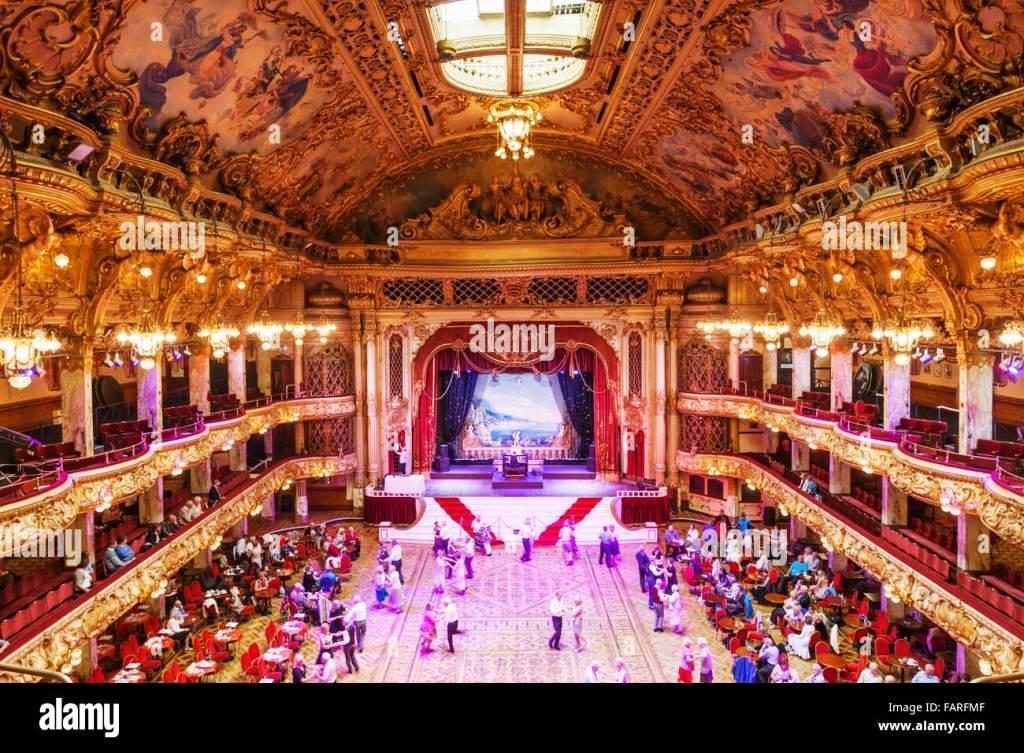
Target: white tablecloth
414, 485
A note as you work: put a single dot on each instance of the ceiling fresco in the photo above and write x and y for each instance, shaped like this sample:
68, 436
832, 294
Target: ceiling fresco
312, 111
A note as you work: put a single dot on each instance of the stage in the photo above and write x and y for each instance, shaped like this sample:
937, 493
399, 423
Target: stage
539, 477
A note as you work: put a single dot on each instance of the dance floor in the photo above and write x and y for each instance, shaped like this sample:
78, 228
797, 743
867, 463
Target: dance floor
505, 618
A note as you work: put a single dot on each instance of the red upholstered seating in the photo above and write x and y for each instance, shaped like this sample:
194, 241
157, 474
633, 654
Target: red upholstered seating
999, 449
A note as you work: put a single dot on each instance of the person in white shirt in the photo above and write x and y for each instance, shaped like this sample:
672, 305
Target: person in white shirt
871, 674
817, 675
926, 675
451, 615
328, 670
526, 533
240, 548
358, 614
395, 557
593, 673
557, 611
621, 673
783, 673
83, 576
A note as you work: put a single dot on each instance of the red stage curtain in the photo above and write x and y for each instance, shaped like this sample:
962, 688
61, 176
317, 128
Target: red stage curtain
425, 426
605, 420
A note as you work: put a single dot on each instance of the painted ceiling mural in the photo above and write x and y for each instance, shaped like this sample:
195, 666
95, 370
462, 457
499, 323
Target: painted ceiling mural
369, 130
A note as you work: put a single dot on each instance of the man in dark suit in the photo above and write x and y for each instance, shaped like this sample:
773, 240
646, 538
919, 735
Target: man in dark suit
215, 495
642, 561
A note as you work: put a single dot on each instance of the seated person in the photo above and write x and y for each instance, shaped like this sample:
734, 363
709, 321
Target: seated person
871, 674
767, 659
239, 549
177, 631
210, 605
212, 582
235, 604
800, 643
84, 576
298, 597
262, 582
309, 579
783, 673
812, 560
328, 581
673, 542
169, 526
152, 538
927, 675
823, 587
111, 561
178, 611
125, 552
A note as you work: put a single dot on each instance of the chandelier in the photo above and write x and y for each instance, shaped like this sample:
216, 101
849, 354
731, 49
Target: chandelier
771, 329
22, 346
514, 120
903, 337
1013, 333
147, 340
733, 325
266, 331
822, 331
219, 337
300, 328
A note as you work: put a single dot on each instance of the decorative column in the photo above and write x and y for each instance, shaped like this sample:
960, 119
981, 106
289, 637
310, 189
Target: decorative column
894, 505
802, 360
769, 368
360, 391
301, 502
973, 543
299, 374
236, 387
84, 536
734, 363
201, 475
263, 362
76, 397
151, 504
974, 395
149, 383
199, 378
659, 400
897, 391
673, 410
842, 373
838, 475
373, 435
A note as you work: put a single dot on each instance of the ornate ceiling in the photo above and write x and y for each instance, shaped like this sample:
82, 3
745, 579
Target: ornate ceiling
321, 112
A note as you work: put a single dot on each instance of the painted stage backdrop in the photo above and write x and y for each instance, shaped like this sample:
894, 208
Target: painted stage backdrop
516, 406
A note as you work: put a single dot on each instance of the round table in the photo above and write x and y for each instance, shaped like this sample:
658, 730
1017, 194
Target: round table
714, 599
129, 676
135, 619
834, 661
853, 621
199, 670
294, 629
900, 664
158, 644
732, 624
277, 655
776, 599
263, 597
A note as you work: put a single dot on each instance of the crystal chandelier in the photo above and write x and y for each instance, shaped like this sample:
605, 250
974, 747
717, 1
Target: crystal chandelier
219, 337
822, 331
903, 337
22, 346
733, 325
514, 120
147, 340
771, 329
266, 331
1013, 333
300, 328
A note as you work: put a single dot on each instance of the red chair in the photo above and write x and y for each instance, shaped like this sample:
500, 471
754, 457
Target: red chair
902, 649
269, 671
822, 649
734, 644
831, 674
940, 666
881, 623
882, 648
214, 650
852, 673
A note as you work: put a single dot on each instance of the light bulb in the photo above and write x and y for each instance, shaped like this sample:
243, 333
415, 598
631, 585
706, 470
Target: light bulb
896, 274
146, 272
201, 278
793, 282
837, 278
146, 363
241, 284
902, 359
821, 352
61, 260
988, 263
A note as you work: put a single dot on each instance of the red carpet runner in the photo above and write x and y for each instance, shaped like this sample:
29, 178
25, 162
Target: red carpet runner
461, 514
580, 509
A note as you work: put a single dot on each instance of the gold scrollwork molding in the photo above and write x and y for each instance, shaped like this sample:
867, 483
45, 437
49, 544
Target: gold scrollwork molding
1004, 650
52, 648
999, 508
55, 509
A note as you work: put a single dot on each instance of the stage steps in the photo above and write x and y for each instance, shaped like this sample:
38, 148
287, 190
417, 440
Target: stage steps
505, 513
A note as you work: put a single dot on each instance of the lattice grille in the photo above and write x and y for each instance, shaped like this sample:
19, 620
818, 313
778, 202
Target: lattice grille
617, 289
705, 368
481, 292
636, 369
705, 434
412, 292
553, 290
333, 436
329, 371
395, 366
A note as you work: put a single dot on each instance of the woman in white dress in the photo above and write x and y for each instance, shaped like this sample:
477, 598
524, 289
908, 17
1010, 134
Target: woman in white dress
395, 590
674, 607
440, 565
800, 643
459, 574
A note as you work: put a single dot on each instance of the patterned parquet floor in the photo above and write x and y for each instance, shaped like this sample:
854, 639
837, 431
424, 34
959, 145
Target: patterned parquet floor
504, 616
